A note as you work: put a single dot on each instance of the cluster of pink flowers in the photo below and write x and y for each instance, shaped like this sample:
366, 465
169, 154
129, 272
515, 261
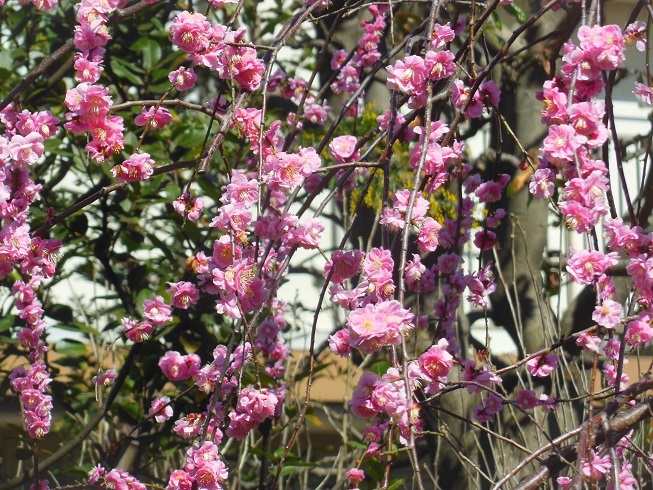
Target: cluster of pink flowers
154, 117
576, 127
21, 146
411, 74
138, 166
598, 465
350, 66
439, 161
388, 395
252, 408
115, 479
271, 344
575, 119
188, 206
204, 469
216, 48
156, 313
31, 383
487, 95
296, 89
88, 103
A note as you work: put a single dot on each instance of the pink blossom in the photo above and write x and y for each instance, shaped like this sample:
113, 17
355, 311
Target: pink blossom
547, 402
155, 120
490, 406
177, 367
408, 75
355, 476
139, 166
361, 400
160, 409
564, 482
621, 236
183, 78
343, 265
120, 479
586, 119
343, 149
439, 64
414, 272
339, 343
490, 93
26, 150
287, 170
542, 183
183, 294
596, 467
429, 232
607, 314
555, 104
212, 475
136, 331
479, 376
442, 34
612, 348
87, 70
258, 404
635, 34
639, 331
106, 378
180, 480
644, 93
604, 45
437, 361
378, 264
190, 32
526, 399
95, 474
307, 235
375, 326
562, 143
189, 207
586, 266
542, 366
316, 113
485, 239
588, 341
491, 191
459, 96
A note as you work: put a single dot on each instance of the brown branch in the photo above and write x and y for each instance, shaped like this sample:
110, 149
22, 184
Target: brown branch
104, 191
617, 428
165, 103
65, 450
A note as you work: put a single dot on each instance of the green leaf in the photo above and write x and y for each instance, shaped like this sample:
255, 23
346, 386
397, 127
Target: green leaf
150, 50
6, 60
517, 13
71, 348
375, 469
398, 483
356, 444
61, 313
289, 468
380, 368
7, 322
123, 71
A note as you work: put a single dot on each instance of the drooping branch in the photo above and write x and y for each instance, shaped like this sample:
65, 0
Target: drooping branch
75, 441
55, 57
613, 429
104, 191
